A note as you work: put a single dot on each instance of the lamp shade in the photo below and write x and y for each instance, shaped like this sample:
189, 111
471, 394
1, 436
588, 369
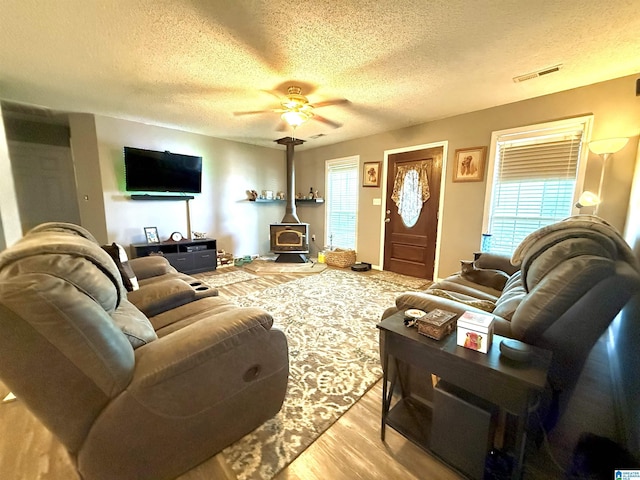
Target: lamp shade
607, 145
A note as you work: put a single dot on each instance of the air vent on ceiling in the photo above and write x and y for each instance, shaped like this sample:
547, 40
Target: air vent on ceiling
539, 73
318, 135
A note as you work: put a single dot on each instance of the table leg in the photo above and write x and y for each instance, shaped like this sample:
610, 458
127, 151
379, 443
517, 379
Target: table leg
387, 394
385, 375
520, 445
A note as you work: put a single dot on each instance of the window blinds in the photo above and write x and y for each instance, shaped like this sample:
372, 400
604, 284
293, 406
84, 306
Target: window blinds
534, 183
342, 204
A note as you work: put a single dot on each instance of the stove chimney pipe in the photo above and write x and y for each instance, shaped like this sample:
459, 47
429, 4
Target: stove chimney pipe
290, 215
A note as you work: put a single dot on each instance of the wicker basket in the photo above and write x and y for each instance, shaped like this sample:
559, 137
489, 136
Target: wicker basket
340, 257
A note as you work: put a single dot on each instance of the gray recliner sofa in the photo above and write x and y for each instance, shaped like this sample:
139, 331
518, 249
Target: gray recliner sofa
130, 396
560, 290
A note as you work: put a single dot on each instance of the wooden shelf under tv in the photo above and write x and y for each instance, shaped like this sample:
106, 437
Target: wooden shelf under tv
162, 197
298, 200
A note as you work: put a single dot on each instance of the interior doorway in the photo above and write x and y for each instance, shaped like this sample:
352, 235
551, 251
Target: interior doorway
45, 184
412, 210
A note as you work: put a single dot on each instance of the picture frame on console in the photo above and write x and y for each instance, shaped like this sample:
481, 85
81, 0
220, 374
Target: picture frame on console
371, 174
469, 164
151, 234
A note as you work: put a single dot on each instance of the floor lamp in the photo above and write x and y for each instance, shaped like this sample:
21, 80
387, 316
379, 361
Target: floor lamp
605, 148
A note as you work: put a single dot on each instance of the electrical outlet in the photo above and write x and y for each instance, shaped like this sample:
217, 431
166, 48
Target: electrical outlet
313, 238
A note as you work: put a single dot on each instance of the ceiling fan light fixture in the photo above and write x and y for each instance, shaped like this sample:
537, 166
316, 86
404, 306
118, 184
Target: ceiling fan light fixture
294, 99
295, 118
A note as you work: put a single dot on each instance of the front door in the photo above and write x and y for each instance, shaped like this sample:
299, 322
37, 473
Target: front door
411, 221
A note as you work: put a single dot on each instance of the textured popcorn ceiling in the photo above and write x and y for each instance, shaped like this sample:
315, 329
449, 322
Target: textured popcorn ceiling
190, 64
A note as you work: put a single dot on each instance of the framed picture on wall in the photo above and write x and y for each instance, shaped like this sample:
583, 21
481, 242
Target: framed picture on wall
469, 164
371, 174
151, 233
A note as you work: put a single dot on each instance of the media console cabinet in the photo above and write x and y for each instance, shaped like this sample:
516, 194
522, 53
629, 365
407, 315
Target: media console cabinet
187, 256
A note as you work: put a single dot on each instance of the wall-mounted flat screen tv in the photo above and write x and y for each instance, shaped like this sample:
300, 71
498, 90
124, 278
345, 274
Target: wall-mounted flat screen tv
151, 171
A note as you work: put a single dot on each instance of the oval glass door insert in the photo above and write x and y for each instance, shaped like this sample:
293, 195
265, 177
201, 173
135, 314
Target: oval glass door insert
410, 199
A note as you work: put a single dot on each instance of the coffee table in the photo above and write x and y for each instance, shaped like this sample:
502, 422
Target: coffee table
511, 386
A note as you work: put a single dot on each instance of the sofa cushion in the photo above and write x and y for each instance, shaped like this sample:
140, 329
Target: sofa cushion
70, 257
575, 227
511, 297
558, 291
488, 277
163, 295
486, 305
62, 227
457, 283
151, 267
134, 324
119, 255
496, 262
540, 263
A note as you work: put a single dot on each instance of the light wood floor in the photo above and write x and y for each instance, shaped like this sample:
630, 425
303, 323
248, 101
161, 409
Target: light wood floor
350, 449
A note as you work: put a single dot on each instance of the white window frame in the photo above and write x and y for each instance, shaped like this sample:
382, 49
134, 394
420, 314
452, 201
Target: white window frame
353, 160
531, 131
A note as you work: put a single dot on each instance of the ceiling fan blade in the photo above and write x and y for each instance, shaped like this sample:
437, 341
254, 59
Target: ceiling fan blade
326, 121
335, 101
275, 93
273, 110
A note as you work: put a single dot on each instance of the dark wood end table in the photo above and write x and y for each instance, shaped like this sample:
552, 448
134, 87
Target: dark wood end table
511, 386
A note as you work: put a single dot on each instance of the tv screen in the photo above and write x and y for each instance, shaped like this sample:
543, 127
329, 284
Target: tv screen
151, 171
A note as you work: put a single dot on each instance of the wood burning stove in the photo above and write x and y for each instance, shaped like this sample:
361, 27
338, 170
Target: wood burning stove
290, 237
290, 240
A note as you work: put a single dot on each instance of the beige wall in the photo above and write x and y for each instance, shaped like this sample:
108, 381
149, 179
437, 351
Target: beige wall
616, 112
231, 168
84, 148
221, 210
10, 228
632, 228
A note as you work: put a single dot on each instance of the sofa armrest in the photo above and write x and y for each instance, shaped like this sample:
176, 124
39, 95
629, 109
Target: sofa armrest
427, 302
151, 266
495, 262
207, 362
158, 297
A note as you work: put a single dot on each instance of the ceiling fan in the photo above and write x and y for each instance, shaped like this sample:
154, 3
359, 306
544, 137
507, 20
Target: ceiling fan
296, 109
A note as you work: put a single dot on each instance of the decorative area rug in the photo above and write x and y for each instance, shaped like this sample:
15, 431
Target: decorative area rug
270, 266
222, 279
330, 323
403, 280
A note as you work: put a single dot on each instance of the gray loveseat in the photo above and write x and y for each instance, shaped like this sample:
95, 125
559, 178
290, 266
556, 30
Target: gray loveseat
560, 290
131, 396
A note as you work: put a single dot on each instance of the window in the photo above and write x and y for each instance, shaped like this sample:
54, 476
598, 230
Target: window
341, 202
536, 174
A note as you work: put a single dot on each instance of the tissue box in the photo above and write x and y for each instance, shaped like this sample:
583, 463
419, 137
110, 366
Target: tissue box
475, 331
